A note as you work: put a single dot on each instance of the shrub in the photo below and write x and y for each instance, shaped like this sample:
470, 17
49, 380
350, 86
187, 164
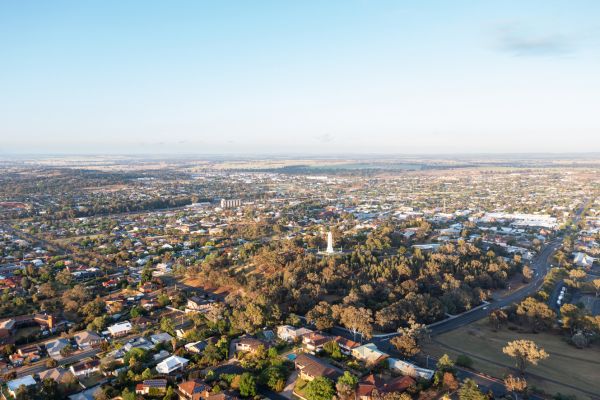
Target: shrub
464, 361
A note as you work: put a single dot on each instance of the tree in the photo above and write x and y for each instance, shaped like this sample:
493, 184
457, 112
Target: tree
128, 395
497, 318
333, 349
445, 364
449, 382
576, 276
470, 391
321, 316
247, 385
64, 277
406, 344
320, 388
515, 385
346, 385
536, 313
572, 317
358, 320
527, 273
274, 378
65, 351
167, 325
596, 285
147, 374
50, 390
524, 352
136, 311
170, 394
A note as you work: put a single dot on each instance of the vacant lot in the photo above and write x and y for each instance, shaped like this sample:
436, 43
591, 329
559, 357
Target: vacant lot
567, 370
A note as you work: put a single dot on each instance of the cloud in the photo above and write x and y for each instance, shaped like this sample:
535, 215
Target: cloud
513, 40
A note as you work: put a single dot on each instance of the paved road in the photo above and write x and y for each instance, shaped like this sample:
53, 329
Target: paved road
541, 265
41, 366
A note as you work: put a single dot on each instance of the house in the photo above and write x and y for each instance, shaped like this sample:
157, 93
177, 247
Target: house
85, 368
15, 384
149, 304
583, 260
26, 353
162, 337
115, 305
409, 369
346, 345
53, 347
365, 388
171, 364
196, 347
89, 394
313, 342
194, 390
111, 283
249, 344
369, 353
198, 304
141, 321
87, 340
120, 329
310, 367
152, 387
291, 334
58, 374
140, 343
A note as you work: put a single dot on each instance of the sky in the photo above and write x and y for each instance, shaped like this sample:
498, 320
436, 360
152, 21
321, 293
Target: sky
299, 77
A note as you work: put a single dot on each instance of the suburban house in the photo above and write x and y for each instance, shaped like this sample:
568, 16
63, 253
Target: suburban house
194, 390
152, 387
141, 321
583, 260
409, 369
87, 339
198, 304
346, 345
291, 334
58, 374
313, 342
171, 364
162, 337
369, 353
196, 347
15, 384
120, 329
310, 367
30, 353
249, 344
53, 347
365, 388
85, 368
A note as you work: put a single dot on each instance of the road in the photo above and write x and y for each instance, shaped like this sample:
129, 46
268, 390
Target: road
41, 365
541, 266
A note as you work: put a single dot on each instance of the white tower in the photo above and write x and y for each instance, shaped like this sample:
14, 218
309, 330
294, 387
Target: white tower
329, 243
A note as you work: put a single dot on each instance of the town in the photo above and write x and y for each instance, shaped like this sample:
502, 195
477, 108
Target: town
299, 279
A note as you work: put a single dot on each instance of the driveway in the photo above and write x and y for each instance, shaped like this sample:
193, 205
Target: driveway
289, 385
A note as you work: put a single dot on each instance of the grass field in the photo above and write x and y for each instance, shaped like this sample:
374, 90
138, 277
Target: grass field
566, 366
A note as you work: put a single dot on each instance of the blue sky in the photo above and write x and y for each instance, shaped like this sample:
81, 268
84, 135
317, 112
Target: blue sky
299, 77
